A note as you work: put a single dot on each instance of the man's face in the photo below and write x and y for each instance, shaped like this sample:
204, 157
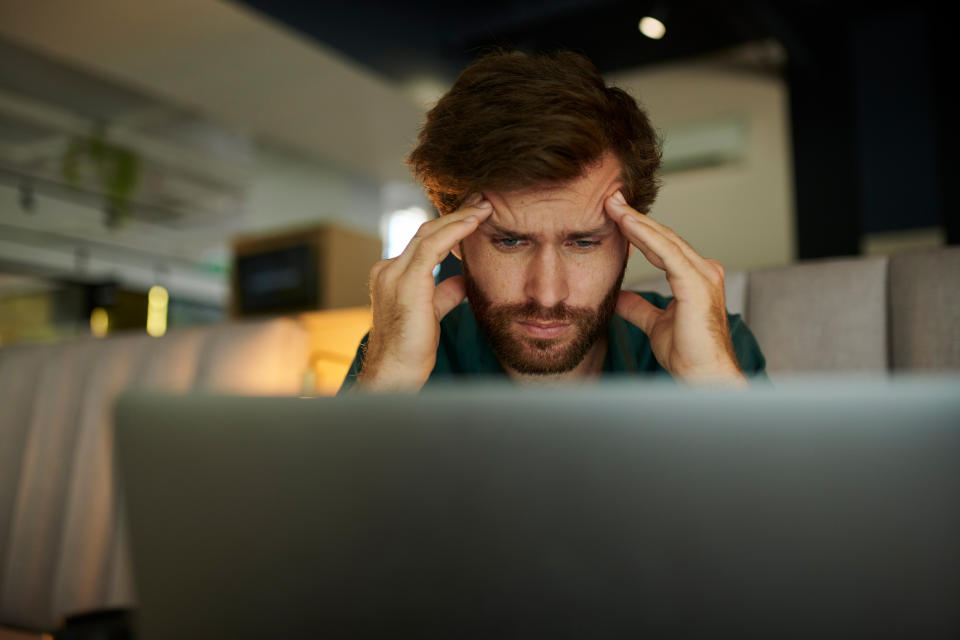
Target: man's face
544, 270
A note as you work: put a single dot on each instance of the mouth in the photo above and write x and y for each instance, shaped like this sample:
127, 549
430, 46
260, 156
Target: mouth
544, 329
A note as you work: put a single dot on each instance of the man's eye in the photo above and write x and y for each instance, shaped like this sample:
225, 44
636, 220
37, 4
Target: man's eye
585, 244
507, 243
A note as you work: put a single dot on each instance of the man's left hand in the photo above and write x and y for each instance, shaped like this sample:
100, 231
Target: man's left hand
691, 337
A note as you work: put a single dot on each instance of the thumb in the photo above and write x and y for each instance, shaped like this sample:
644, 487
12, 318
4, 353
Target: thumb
637, 310
448, 294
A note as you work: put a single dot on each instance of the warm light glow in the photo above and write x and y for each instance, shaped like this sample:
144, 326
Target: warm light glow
157, 301
334, 335
652, 28
425, 89
158, 296
400, 228
99, 322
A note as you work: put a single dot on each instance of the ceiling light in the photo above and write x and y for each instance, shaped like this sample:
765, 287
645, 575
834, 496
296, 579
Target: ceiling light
652, 28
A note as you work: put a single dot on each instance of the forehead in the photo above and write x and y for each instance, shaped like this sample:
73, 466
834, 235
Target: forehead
573, 206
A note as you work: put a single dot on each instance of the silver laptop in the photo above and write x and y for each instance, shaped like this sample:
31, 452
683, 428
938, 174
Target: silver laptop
611, 511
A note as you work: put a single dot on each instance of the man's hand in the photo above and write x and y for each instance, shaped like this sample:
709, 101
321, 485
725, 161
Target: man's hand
407, 307
691, 337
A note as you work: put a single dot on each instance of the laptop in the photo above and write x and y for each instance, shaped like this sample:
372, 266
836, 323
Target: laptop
622, 510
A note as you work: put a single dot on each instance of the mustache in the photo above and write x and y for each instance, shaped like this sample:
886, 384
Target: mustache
533, 311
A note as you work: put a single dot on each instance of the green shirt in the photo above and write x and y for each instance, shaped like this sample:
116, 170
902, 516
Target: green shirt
465, 352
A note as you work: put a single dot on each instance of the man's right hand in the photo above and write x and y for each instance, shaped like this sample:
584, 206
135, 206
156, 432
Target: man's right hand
407, 307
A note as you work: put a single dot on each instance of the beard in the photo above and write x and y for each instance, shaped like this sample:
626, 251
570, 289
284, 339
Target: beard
541, 356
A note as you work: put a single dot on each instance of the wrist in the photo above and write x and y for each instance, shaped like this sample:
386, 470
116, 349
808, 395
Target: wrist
386, 378
726, 374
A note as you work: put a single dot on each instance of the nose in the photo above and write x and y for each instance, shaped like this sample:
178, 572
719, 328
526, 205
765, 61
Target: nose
546, 278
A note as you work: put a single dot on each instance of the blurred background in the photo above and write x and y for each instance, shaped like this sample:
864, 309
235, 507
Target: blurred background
175, 163
192, 193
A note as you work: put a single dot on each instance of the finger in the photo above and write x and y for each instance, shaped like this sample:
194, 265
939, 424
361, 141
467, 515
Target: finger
377, 267
448, 295
719, 272
480, 210
651, 257
476, 204
685, 246
620, 209
433, 248
710, 270
658, 249
375, 284
635, 309
471, 200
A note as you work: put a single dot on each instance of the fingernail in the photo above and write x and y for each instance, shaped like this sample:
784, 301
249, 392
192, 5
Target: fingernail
472, 199
618, 198
483, 204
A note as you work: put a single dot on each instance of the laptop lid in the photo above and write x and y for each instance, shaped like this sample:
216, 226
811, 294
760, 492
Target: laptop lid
610, 511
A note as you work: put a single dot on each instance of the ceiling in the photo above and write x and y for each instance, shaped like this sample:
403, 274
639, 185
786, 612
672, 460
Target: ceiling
224, 60
405, 41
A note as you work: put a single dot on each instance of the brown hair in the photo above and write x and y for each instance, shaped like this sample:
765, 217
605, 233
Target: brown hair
514, 120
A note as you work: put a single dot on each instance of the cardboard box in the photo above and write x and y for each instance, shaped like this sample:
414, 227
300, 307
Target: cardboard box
322, 267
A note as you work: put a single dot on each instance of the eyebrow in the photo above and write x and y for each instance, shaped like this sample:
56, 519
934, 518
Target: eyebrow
572, 235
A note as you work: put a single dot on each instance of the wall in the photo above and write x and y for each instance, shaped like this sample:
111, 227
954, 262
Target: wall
739, 213
27, 317
290, 190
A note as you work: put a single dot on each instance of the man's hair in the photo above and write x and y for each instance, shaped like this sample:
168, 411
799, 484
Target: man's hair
514, 120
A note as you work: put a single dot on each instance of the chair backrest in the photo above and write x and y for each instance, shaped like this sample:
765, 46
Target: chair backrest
20, 370
925, 310
92, 569
39, 511
255, 358
63, 541
828, 315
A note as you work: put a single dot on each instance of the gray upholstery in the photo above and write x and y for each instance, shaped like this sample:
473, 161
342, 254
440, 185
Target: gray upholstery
254, 358
63, 545
821, 316
83, 578
40, 507
172, 363
925, 310
20, 368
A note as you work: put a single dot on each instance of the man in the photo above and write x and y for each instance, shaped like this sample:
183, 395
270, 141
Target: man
543, 176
